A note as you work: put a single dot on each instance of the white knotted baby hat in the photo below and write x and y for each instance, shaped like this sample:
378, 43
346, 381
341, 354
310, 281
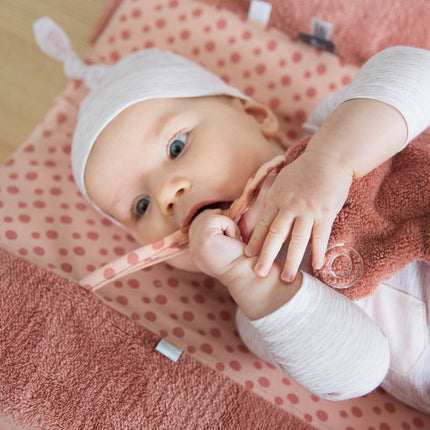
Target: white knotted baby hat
142, 75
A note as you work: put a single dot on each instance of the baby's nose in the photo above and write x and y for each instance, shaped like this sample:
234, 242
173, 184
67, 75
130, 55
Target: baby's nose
171, 193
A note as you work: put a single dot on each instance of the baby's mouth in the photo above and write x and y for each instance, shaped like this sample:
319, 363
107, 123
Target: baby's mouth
196, 210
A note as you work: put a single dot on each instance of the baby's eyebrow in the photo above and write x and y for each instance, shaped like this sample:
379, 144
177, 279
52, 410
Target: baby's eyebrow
158, 126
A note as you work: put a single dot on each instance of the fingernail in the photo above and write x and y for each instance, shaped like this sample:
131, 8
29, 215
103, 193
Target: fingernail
287, 277
317, 266
261, 270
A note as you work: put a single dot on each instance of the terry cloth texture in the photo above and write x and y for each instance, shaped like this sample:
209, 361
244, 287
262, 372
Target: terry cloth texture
70, 362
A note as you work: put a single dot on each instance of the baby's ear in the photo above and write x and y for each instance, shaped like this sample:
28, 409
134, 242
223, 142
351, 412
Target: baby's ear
265, 118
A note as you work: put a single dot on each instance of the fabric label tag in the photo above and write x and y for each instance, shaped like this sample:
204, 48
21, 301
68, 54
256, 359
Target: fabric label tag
321, 29
259, 11
169, 350
320, 35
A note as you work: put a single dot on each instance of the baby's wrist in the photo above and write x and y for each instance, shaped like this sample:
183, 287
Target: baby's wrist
332, 160
258, 297
361, 133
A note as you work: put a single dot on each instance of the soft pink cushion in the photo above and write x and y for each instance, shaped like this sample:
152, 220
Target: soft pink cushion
45, 220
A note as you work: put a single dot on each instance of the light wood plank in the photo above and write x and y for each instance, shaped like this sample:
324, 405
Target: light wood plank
29, 80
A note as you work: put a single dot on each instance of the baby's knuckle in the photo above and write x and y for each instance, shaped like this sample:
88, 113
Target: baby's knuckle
312, 207
323, 212
263, 222
297, 239
317, 235
206, 219
297, 201
276, 231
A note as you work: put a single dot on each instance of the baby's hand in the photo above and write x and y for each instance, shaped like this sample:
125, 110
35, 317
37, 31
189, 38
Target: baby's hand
216, 249
303, 201
215, 243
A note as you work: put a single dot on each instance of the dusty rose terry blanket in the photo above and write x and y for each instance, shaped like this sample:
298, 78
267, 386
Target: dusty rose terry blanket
70, 362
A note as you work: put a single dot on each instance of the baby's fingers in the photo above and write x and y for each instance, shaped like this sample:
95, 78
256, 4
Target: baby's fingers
296, 249
261, 230
320, 236
278, 233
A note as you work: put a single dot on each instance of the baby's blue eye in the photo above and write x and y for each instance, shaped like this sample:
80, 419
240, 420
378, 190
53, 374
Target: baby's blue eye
177, 145
142, 206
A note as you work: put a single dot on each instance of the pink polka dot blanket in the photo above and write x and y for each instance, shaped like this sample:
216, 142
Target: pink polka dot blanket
46, 221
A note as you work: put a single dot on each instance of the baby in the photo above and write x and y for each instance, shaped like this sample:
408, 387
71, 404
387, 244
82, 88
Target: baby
161, 144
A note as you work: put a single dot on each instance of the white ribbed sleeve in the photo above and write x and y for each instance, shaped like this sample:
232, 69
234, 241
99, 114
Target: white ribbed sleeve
322, 340
398, 76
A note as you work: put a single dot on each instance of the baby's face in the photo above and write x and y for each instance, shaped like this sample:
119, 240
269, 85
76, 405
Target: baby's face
160, 161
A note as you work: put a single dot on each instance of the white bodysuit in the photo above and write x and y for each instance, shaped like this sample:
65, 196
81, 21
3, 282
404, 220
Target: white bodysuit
329, 344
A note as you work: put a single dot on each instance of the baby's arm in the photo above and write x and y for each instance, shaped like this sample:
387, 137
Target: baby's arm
313, 334
322, 340
399, 77
362, 126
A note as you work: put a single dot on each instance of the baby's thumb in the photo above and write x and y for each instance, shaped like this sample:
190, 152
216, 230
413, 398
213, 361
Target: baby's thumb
264, 193
231, 229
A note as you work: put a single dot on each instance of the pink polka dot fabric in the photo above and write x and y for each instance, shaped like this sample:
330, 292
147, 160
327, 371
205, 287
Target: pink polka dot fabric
44, 218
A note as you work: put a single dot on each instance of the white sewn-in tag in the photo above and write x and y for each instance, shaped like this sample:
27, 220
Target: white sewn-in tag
259, 11
169, 350
320, 35
321, 29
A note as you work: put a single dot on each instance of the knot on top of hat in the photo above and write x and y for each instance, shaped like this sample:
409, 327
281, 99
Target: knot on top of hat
54, 42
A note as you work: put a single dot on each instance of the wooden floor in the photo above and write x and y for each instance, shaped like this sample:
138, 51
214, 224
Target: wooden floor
29, 80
